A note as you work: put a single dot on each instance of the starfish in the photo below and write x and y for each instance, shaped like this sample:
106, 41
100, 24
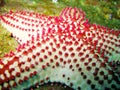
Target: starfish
26, 25
65, 49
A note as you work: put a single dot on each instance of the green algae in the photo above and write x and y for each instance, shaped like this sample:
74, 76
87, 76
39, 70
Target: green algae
7, 43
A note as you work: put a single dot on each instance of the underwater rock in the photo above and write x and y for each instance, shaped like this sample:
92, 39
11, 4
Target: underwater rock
66, 49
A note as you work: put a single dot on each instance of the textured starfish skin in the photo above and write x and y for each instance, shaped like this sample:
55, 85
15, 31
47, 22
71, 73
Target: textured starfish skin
65, 49
25, 25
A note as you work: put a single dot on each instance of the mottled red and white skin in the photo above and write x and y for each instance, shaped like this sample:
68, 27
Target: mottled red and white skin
26, 25
65, 49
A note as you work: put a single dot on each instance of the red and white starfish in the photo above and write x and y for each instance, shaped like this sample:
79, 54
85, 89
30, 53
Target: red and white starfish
65, 49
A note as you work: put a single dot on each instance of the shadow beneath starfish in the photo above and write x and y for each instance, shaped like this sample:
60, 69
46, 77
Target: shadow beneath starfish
50, 86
